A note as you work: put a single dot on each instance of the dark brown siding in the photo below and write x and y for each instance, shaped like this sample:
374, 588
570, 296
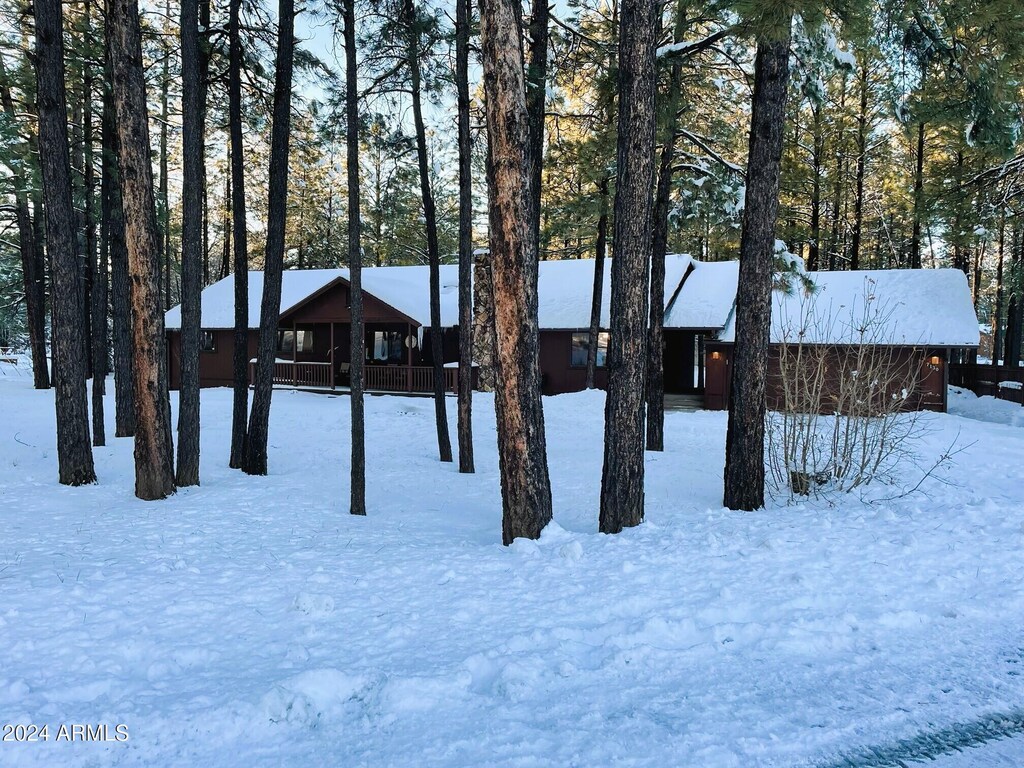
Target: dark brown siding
557, 375
931, 377
214, 367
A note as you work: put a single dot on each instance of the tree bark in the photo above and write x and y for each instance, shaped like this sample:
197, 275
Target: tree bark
522, 450
74, 453
165, 204
154, 465
817, 159
444, 443
915, 238
862, 161
124, 392
238, 232
744, 448
483, 321
536, 98
193, 109
622, 479
463, 18
259, 419
357, 497
597, 291
997, 312
662, 201
32, 263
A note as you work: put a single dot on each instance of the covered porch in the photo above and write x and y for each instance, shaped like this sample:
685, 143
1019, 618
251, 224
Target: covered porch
396, 357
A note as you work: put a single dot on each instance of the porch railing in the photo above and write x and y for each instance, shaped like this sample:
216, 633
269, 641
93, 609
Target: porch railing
376, 378
303, 374
404, 378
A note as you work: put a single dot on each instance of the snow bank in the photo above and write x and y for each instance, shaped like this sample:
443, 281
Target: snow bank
252, 621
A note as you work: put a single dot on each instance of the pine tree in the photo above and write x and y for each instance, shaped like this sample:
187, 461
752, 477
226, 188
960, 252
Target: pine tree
154, 463
522, 450
74, 453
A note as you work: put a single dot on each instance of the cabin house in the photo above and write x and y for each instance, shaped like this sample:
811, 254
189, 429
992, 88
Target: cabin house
314, 343
904, 323
313, 329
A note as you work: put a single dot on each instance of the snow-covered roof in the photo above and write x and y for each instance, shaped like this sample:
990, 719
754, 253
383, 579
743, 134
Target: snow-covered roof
901, 307
706, 298
564, 292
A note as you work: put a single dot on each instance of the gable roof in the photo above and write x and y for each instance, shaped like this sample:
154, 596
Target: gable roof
564, 292
904, 307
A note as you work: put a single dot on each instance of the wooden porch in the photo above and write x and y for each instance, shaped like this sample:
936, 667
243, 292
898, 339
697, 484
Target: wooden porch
321, 376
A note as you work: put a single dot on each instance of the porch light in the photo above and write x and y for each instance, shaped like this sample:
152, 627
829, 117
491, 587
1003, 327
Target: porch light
935, 360
716, 355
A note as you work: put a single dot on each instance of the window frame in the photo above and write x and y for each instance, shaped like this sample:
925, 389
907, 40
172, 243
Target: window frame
603, 339
211, 336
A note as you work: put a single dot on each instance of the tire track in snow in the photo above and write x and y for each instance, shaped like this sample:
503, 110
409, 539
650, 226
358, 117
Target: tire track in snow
932, 745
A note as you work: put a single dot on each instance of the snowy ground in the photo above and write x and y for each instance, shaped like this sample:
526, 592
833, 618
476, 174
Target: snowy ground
252, 621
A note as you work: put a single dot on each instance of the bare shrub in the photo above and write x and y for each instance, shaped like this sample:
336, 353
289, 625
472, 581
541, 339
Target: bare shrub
846, 414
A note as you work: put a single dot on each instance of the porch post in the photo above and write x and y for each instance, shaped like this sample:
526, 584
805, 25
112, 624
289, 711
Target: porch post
295, 353
408, 368
332, 355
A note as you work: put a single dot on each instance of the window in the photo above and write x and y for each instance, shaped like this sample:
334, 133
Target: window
286, 342
580, 346
388, 347
208, 341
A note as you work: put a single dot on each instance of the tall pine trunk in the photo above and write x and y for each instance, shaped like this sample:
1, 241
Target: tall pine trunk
113, 219
357, 496
662, 200
74, 453
154, 451
522, 449
817, 160
622, 478
235, 230
536, 98
597, 290
164, 206
744, 447
32, 263
463, 18
915, 237
444, 443
263, 387
862, 161
193, 111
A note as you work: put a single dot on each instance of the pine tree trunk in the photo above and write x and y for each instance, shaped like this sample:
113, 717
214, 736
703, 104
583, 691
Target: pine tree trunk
522, 450
483, 321
744, 448
97, 284
915, 238
236, 230
193, 110
33, 274
74, 453
662, 200
622, 478
357, 483
165, 203
597, 291
862, 160
124, 364
463, 20
997, 312
817, 160
444, 443
108, 197
154, 465
835, 234
536, 97
255, 462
